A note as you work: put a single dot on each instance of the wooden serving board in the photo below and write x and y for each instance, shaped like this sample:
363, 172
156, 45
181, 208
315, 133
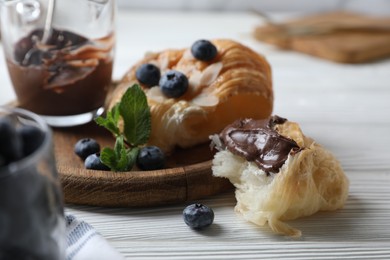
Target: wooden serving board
187, 177
345, 46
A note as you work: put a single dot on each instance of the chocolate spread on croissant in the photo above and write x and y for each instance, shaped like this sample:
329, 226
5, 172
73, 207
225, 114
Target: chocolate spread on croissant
258, 141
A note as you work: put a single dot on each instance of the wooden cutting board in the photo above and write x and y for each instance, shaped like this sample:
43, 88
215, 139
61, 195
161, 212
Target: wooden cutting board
187, 177
362, 43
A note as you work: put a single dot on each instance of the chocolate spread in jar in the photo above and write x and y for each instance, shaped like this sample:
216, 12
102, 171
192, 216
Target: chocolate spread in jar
258, 141
67, 75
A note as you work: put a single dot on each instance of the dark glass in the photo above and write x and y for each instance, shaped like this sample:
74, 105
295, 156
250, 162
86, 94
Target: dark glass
32, 224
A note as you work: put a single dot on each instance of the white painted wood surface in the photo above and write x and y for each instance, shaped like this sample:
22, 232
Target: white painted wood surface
344, 107
375, 7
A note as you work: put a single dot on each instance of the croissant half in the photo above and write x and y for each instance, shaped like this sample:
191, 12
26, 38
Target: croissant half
237, 83
310, 180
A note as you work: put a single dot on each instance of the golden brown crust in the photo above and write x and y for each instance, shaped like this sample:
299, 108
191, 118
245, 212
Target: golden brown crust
236, 84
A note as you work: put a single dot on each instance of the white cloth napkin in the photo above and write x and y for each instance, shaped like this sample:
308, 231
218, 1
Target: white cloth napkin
85, 243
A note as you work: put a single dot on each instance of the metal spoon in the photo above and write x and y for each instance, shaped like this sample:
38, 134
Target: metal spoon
47, 30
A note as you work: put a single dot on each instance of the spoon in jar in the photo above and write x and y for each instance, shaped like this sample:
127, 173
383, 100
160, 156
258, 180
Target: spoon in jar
47, 30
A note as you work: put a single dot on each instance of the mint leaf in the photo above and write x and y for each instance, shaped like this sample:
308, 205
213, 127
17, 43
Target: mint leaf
122, 163
132, 156
111, 120
118, 159
108, 157
135, 113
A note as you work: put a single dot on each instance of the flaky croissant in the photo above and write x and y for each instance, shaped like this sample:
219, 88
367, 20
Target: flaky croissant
237, 83
310, 180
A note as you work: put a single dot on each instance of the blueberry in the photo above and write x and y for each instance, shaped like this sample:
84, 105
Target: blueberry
150, 158
173, 84
85, 147
93, 162
198, 216
148, 75
32, 138
204, 50
11, 148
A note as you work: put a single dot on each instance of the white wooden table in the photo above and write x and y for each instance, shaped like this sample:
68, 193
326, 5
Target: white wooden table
344, 107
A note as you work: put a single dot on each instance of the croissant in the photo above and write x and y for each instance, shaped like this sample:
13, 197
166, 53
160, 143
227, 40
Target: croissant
279, 173
237, 83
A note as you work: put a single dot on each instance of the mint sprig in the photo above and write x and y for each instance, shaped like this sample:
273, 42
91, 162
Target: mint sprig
111, 121
120, 158
134, 111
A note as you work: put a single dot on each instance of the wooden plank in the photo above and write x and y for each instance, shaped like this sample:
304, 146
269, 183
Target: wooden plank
360, 43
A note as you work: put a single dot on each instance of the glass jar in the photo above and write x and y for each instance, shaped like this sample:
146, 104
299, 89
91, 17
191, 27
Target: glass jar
59, 55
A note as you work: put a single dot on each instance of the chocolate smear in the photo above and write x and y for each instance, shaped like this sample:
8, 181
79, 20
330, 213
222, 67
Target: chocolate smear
258, 141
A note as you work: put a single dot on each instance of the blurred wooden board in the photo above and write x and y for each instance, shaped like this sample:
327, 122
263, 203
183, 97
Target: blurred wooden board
187, 177
347, 46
